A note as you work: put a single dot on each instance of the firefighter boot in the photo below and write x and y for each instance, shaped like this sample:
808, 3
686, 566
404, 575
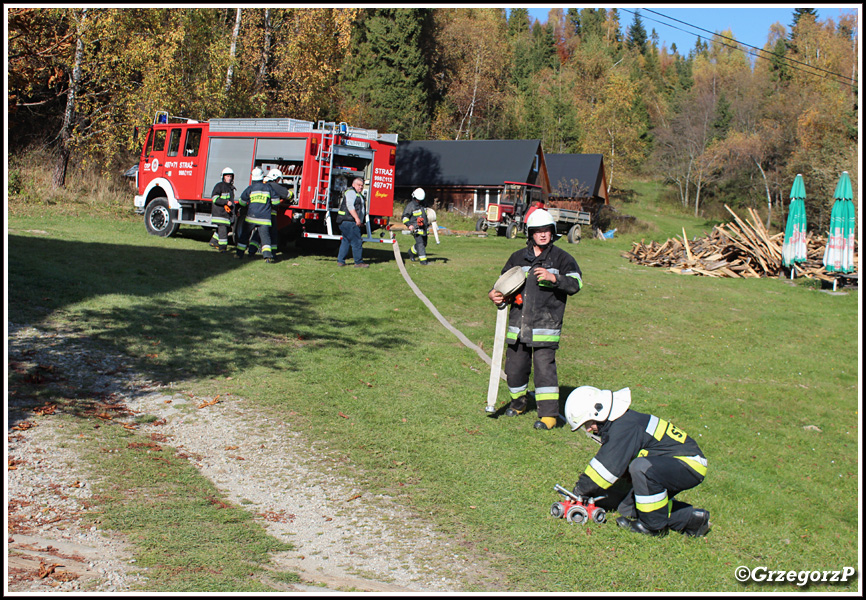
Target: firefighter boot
517, 407
545, 423
636, 526
699, 523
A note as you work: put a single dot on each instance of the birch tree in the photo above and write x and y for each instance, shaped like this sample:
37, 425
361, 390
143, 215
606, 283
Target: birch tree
232, 53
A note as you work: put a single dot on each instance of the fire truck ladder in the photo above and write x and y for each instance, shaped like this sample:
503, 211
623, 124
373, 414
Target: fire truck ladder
326, 163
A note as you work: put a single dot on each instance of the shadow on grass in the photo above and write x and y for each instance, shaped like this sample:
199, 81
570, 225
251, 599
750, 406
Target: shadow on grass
169, 320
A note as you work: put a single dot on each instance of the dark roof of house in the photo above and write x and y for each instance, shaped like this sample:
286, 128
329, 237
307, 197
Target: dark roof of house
466, 162
575, 175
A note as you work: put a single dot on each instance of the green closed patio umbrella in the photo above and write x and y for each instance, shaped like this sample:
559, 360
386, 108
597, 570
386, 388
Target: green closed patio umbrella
794, 246
839, 254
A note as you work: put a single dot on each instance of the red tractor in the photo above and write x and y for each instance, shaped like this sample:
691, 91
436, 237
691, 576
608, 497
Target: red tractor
577, 509
509, 214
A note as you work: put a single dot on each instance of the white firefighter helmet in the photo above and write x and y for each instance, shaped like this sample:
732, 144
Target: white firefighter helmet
419, 195
228, 171
540, 218
258, 175
273, 175
587, 403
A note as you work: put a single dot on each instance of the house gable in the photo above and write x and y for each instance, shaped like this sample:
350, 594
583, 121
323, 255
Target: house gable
577, 176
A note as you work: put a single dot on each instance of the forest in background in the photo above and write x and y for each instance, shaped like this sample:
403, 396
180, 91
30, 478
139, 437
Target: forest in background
724, 122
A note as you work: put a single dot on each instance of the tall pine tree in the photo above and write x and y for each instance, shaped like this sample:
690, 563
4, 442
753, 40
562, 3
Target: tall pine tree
385, 78
637, 36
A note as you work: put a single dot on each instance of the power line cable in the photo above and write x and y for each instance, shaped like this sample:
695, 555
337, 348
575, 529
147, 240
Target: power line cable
788, 58
741, 45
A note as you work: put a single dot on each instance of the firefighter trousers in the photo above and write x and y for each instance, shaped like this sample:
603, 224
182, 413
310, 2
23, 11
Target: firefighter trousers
221, 237
520, 360
264, 233
655, 482
255, 239
419, 249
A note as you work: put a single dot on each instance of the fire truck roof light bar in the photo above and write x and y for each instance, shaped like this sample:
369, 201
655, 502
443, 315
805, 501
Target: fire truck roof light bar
162, 117
261, 125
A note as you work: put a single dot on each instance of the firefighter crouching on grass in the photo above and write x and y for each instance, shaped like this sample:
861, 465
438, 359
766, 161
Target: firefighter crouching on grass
258, 197
415, 218
659, 460
535, 318
223, 196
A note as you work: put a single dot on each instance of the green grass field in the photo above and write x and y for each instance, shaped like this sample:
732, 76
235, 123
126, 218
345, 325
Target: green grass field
762, 372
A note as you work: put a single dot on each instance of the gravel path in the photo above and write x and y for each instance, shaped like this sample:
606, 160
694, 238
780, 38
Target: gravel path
344, 538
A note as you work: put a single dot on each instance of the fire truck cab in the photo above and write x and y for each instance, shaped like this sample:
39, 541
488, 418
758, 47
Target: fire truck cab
182, 160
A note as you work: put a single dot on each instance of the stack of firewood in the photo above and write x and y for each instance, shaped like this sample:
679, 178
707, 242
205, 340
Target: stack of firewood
740, 248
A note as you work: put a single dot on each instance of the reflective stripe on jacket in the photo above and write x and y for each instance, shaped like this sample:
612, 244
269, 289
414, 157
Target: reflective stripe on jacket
632, 435
537, 321
258, 197
412, 213
350, 196
222, 194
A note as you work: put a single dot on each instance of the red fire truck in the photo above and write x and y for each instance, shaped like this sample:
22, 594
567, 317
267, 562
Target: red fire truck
182, 160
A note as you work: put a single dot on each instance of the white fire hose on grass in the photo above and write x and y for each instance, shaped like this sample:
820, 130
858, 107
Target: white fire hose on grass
463, 339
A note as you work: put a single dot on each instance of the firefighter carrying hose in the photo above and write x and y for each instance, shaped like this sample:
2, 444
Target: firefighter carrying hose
222, 211
535, 318
415, 218
657, 459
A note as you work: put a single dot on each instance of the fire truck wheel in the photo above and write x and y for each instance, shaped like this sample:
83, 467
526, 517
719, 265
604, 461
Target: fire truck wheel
557, 510
574, 235
577, 514
481, 224
511, 231
157, 218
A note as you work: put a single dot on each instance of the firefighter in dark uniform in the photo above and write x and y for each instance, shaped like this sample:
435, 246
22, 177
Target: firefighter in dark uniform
278, 194
222, 211
350, 217
258, 199
415, 218
535, 318
642, 452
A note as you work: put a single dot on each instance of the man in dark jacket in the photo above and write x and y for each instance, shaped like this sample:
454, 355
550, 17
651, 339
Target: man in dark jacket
258, 197
535, 318
659, 459
223, 197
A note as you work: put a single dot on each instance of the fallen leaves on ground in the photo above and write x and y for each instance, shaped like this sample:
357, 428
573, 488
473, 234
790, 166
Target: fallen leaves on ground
209, 402
45, 569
